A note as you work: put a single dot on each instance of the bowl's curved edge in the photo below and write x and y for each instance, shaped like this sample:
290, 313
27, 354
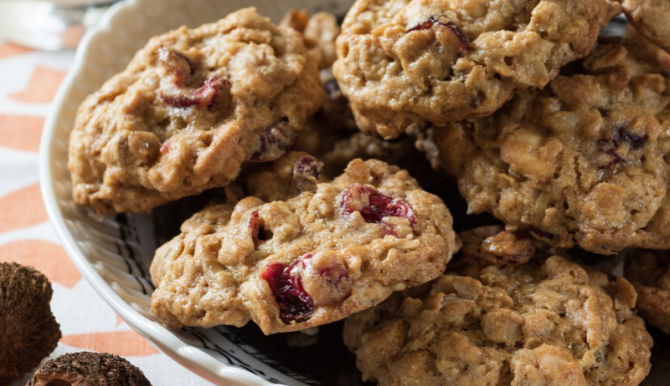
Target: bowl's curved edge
194, 359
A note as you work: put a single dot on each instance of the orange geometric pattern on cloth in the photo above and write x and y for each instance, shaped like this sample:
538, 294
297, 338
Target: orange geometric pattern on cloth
42, 86
45, 256
20, 132
13, 208
26, 237
123, 343
8, 49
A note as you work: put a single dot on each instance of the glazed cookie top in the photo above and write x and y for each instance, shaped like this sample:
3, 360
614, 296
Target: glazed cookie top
504, 321
190, 110
582, 162
404, 62
650, 18
336, 248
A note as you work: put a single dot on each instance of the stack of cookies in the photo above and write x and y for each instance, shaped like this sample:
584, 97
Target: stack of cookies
332, 145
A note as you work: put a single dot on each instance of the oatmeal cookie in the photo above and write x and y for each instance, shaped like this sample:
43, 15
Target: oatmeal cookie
649, 271
582, 162
336, 148
334, 119
336, 111
89, 368
662, 55
190, 110
400, 152
28, 330
332, 136
332, 123
337, 248
406, 62
292, 174
320, 31
651, 18
503, 318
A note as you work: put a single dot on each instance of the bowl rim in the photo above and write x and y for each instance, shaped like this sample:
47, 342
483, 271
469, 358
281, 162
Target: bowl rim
160, 337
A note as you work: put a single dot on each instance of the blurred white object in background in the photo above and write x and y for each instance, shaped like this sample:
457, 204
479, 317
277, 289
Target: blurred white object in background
49, 24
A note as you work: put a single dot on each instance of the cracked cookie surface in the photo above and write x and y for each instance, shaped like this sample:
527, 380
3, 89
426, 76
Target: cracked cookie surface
334, 249
190, 110
407, 62
582, 162
507, 314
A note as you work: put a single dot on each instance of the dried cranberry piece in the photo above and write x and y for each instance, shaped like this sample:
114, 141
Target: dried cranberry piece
444, 21
634, 141
182, 69
332, 89
257, 228
307, 166
373, 205
202, 96
295, 304
176, 64
306, 173
165, 147
610, 146
273, 143
539, 233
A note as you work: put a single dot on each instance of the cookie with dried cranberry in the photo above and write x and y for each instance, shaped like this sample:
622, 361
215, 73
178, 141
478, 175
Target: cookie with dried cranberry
190, 111
582, 162
334, 118
407, 62
649, 271
89, 368
331, 135
650, 18
506, 314
335, 249
292, 174
320, 31
333, 122
663, 56
400, 152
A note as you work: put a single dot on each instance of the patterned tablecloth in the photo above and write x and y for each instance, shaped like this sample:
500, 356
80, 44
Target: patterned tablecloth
28, 82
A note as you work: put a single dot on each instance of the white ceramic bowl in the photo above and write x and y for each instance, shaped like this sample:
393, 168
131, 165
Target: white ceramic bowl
114, 254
